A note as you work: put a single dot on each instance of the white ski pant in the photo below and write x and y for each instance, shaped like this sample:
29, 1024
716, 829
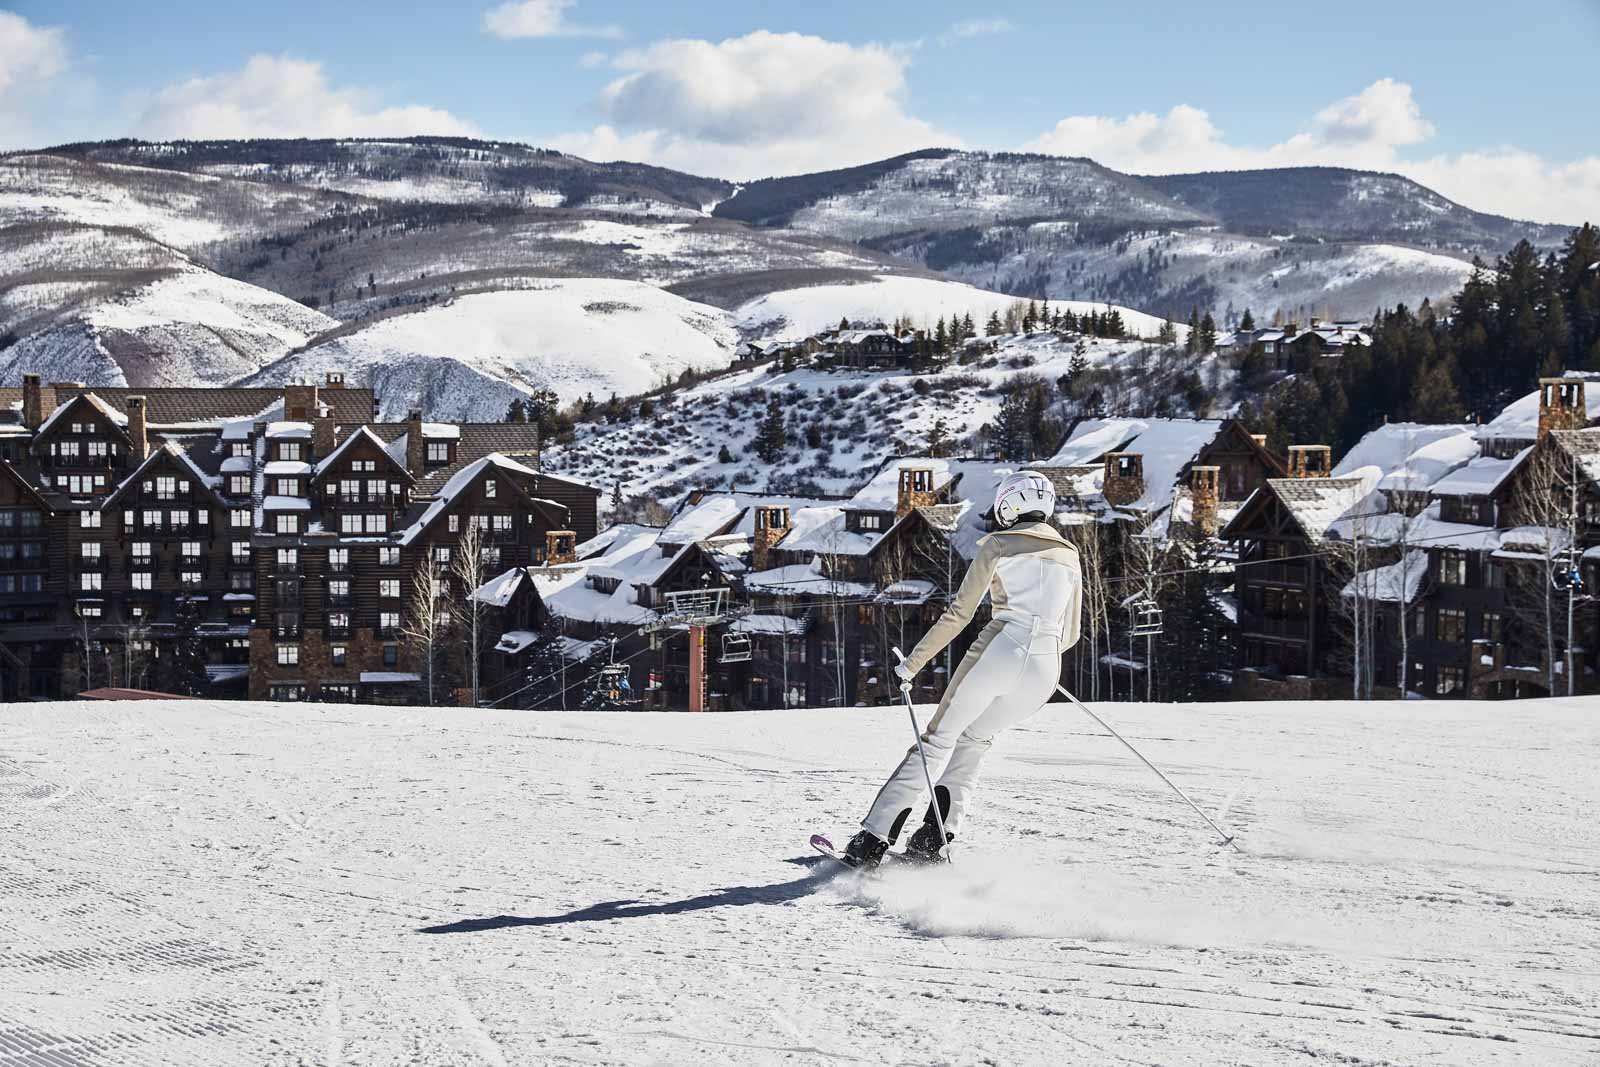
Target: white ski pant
1006, 676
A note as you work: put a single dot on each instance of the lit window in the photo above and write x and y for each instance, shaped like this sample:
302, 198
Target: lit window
141, 580
288, 655
92, 581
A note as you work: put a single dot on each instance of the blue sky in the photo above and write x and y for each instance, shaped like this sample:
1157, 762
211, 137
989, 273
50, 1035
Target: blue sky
1495, 110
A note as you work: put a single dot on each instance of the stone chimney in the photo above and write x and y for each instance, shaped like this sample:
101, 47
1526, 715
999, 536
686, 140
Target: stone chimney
138, 428
916, 490
33, 413
335, 380
1561, 405
299, 401
416, 447
772, 523
560, 547
1310, 461
1204, 493
1124, 478
322, 441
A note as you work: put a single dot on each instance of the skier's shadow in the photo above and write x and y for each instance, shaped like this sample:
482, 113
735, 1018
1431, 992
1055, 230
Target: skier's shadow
732, 896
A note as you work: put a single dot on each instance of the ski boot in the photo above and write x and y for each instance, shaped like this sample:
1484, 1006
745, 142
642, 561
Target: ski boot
865, 850
924, 847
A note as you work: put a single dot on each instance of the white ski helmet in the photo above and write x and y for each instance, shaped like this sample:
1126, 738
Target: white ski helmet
1022, 493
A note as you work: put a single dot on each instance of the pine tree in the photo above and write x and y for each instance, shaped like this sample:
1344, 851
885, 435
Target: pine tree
517, 412
941, 340
968, 329
993, 327
723, 455
1208, 335
1192, 342
771, 438
616, 501
1012, 434
844, 324
1030, 318
186, 667
938, 438
1248, 322
1168, 334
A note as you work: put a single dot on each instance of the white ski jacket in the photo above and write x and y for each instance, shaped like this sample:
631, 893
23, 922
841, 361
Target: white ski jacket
1034, 582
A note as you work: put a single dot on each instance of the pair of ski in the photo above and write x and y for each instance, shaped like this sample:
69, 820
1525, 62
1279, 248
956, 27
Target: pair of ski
826, 847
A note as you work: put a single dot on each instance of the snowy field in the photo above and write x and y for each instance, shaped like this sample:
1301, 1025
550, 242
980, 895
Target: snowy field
217, 884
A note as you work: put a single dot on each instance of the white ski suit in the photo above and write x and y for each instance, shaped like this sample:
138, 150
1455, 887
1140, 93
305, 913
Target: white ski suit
1035, 587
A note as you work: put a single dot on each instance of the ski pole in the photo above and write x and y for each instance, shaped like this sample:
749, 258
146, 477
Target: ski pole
1227, 838
933, 797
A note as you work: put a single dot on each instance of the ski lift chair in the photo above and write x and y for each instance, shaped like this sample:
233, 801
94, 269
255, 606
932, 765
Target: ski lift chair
1144, 618
735, 648
612, 682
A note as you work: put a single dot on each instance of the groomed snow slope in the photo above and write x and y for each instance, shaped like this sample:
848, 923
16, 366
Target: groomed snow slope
576, 336
198, 883
799, 313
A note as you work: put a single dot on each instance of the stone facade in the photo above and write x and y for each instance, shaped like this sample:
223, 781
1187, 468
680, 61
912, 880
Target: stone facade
1310, 461
772, 523
1205, 495
1124, 478
915, 490
1561, 405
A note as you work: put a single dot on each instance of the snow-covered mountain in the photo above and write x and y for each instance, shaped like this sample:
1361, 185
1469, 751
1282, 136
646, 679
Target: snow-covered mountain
840, 428
1298, 240
467, 357
194, 883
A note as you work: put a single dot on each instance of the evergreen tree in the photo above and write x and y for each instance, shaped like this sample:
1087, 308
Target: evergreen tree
1168, 334
844, 324
771, 439
941, 339
993, 327
1208, 335
938, 438
968, 329
1248, 322
1191, 343
185, 671
616, 501
518, 411
723, 455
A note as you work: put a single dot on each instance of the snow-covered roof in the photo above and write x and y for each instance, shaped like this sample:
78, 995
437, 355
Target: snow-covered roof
696, 522
1093, 438
610, 536
514, 641
108, 412
1479, 477
289, 431
824, 532
1318, 503
361, 433
441, 431
458, 483
1397, 582
389, 677
237, 465
1390, 448
769, 624
882, 491
803, 579
172, 451
497, 591
286, 503
286, 467
908, 591
632, 560
1165, 447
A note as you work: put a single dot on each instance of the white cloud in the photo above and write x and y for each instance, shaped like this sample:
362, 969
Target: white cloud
975, 28
540, 18
762, 104
276, 96
31, 58
1366, 131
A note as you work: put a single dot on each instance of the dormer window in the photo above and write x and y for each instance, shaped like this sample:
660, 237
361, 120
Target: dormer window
288, 487
438, 452
239, 450
871, 522
289, 450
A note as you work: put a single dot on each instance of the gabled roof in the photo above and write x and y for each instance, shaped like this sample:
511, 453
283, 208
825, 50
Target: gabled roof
184, 405
1234, 432
498, 591
361, 433
118, 421
167, 450
1315, 504
463, 479
27, 486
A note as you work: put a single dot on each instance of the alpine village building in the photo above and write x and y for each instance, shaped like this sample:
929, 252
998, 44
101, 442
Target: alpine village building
275, 537
269, 536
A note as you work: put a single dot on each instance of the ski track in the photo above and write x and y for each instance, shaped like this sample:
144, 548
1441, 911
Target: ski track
217, 883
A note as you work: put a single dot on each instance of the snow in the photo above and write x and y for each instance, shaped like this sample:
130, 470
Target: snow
1480, 477
1165, 445
195, 882
497, 590
773, 625
1428, 451
514, 641
289, 431
794, 314
1093, 438
286, 503
286, 467
573, 335
440, 431
389, 677
1399, 581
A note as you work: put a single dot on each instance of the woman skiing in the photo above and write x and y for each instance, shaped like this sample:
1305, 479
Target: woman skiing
1035, 587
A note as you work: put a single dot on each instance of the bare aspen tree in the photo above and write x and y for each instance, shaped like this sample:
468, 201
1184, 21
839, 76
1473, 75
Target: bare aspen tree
1543, 501
466, 566
1096, 623
424, 629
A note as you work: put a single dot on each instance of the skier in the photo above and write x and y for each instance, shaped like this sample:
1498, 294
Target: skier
1035, 587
